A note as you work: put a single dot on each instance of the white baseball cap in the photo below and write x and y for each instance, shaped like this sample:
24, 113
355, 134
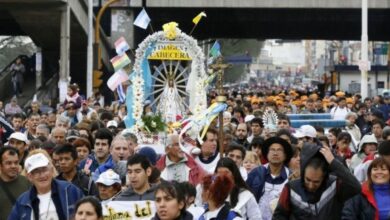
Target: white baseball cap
308, 131
112, 123
249, 118
298, 134
109, 178
35, 161
19, 136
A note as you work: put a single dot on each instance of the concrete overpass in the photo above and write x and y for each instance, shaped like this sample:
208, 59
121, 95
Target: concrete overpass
265, 19
346, 4
59, 28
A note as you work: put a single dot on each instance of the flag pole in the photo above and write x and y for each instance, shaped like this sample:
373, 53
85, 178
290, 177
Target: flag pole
196, 20
151, 27
193, 28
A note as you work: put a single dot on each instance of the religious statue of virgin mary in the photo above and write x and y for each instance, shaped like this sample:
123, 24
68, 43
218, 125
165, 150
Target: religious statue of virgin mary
171, 104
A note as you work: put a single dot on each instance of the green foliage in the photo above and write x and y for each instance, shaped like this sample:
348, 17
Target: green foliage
153, 123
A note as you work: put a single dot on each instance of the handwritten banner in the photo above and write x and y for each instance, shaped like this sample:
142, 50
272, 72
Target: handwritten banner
129, 210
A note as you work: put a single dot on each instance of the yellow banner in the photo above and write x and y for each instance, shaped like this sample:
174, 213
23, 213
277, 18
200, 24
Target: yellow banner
169, 52
129, 210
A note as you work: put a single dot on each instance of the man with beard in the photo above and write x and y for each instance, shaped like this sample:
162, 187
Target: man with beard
67, 155
51, 120
19, 142
11, 183
33, 121
178, 166
267, 181
120, 151
242, 135
320, 193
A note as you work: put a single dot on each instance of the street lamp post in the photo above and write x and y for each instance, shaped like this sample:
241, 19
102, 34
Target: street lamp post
98, 53
89, 48
364, 64
220, 67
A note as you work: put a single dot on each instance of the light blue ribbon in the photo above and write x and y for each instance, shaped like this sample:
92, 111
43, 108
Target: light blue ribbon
129, 120
147, 75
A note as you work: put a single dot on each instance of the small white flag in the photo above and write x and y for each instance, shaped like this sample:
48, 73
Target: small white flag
142, 19
118, 78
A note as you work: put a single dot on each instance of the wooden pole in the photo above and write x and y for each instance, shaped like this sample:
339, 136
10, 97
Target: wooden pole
221, 98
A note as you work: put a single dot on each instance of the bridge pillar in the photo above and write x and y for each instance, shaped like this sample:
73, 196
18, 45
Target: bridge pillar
38, 68
64, 52
122, 25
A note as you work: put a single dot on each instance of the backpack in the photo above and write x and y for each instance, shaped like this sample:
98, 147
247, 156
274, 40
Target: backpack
259, 179
226, 213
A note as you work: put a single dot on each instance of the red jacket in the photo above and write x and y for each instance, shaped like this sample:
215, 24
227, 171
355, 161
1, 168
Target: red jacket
367, 192
196, 172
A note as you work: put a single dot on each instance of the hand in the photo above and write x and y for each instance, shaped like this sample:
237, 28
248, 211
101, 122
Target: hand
327, 154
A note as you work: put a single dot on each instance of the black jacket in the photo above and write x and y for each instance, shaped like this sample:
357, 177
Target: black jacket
358, 208
296, 202
84, 182
362, 206
184, 216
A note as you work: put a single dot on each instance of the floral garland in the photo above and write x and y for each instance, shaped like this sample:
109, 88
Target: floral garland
138, 96
195, 88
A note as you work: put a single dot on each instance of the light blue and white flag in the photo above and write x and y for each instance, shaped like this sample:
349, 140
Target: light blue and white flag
142, 19
121, 94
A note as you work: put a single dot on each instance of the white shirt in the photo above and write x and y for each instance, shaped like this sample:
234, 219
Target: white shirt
47, 209
247, 206
339, 113
208, 167
244, 173
196, 211
176, 171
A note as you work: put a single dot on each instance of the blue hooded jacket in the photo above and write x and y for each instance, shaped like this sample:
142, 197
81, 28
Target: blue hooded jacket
64, 195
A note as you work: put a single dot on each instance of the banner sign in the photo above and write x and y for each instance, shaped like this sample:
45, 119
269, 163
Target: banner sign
129, 210
170, 51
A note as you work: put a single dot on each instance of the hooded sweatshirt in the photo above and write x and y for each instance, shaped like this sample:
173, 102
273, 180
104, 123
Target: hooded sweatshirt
326, 202
359, 157
130, 195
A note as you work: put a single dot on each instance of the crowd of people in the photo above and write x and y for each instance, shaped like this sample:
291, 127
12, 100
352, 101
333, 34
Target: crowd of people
68, 163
